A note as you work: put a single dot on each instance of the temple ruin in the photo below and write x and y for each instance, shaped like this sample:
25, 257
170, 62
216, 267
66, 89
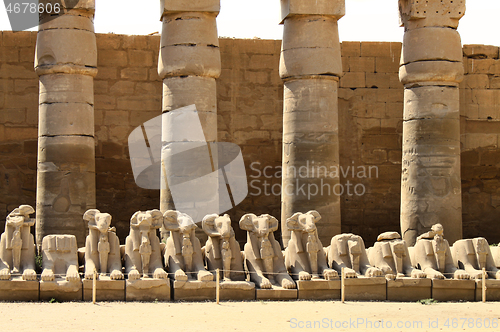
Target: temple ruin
389, 145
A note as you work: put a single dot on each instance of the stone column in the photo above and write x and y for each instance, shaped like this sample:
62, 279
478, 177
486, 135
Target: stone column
431, 69
189, 63
66, 61
310, 67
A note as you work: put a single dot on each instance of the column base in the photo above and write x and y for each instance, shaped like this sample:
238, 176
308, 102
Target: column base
318, 289
193, 290
276, 293
61, 290
365, 289
106, 289
409, 289
237, 291
453, 290
492, 290
147, 289
17, 289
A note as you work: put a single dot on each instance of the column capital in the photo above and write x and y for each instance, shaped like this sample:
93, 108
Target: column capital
335, 8
175, 6
424, 13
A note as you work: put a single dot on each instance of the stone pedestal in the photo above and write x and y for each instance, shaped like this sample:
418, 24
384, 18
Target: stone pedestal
17, 289
453, 290
66, 61
310, 66
147, 289
365, 289
492, 290
431, 69
193, 290
237, 291
107, 289
409, 289
61, 290
276, 293
318, 289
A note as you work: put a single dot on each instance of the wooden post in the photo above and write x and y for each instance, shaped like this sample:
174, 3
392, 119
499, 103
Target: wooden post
484, 285
217, 291
342, 285
94, 287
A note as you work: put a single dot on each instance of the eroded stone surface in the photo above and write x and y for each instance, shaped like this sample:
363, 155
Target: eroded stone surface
390, 254
183, 256
102, 247
304, 256
473, 255
142, 247
66, 61
310, 66
17, 246
263, 256
431, 63
348, 251
432, 253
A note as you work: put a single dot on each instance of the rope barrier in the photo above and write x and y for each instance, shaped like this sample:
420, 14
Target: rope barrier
82, 274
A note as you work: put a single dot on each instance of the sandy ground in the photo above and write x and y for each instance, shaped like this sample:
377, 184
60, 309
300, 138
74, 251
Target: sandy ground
250, 316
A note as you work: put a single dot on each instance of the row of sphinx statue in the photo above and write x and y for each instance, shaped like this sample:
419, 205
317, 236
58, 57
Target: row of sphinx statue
182, 256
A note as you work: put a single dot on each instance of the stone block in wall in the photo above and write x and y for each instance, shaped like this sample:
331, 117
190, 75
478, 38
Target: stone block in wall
16, 71
380, 49
476, 81
483, 66
361, 64
112, 58
134, 73
9, 54
431, 44
140, 58
334, 8
386, 65
378, 80
474, 141
481, 51
351, 49
17, 38
390, 95
495, 82
108, 41
353, 80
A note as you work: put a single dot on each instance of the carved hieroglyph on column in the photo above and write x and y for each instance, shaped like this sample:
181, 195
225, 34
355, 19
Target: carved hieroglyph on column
431, 69
66, 61
189, 63
310, 67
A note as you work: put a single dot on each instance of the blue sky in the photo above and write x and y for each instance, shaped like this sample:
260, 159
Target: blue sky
365, 20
